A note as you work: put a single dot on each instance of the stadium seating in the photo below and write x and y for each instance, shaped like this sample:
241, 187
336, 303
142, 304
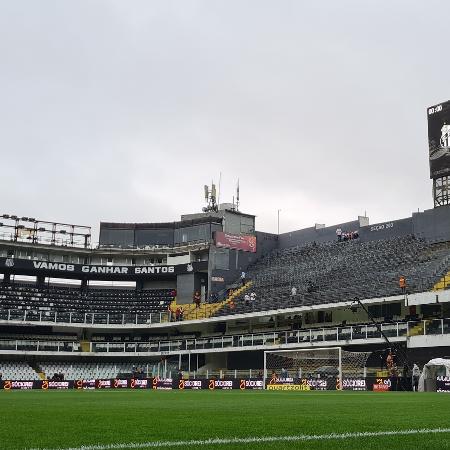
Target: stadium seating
343, 271
17, 370
67, 299
79, 371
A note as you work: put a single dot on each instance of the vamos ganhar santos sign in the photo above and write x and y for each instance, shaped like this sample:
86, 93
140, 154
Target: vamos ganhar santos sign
66, 270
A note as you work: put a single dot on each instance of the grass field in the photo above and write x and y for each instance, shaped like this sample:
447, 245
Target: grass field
71, 419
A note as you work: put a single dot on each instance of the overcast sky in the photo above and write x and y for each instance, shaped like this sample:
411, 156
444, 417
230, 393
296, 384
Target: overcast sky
123, 110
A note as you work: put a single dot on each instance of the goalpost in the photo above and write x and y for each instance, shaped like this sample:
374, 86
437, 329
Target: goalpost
314, 368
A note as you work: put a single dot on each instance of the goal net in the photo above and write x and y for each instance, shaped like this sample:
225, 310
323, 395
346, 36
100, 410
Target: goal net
314, 369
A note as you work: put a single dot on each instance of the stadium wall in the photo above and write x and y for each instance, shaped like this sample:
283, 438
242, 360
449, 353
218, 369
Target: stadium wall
432, 225
315, 234
387, 230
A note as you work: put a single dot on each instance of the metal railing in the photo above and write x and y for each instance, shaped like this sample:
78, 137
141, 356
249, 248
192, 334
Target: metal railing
204, 311
336, 335
82, 318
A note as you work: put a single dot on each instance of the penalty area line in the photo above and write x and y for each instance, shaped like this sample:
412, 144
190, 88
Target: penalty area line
253, 440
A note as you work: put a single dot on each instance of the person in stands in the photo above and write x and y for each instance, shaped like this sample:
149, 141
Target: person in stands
339, 234
169, 313
402, 284
253, 297
390, 363
197, 299
415, 377
293, 291
247, 299
243, 276
177, 314
181, 314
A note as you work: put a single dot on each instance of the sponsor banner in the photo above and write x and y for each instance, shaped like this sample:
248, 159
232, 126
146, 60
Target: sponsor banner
354, 384
382, 385
277, 380
190, 384
288, 387
103, 384
439, 139
19, 385
36, 384
443, 384
242, 384
312, 384
218, 279
25, 267
162, 383
139, 384
222, 384
242, 242
85, 384
379, 384
120, 383
48, 384
251, 384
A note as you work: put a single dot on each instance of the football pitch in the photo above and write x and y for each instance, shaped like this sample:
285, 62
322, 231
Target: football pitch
101, 420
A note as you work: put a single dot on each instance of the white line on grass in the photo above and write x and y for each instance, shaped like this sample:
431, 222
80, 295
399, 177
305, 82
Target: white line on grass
251, 440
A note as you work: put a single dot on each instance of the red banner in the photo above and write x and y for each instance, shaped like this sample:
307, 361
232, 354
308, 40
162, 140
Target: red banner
238, 242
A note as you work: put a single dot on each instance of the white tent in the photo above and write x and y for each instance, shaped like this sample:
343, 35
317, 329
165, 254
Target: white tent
432, 369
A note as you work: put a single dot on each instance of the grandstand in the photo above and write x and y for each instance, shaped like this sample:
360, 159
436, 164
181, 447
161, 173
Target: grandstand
119, 304
95, 312
342, 271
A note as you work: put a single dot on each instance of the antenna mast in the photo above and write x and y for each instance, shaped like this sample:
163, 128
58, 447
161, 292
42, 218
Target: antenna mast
210, 198
237, 196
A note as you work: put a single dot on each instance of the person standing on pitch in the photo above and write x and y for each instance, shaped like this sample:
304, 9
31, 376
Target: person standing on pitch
415, 377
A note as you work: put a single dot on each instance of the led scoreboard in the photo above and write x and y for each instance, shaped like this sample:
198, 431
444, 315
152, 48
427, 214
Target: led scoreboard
439, 139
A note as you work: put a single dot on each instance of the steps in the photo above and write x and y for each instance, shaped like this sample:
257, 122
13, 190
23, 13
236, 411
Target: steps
237, 292
206, 310
85, 346
39, 371
417, 330
443, 283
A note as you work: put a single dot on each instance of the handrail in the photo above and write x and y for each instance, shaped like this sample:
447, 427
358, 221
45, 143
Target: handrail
340, 335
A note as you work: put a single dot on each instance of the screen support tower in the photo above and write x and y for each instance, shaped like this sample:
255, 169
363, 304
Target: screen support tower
441, 191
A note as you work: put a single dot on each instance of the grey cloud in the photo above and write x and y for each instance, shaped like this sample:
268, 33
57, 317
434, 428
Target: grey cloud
123, 110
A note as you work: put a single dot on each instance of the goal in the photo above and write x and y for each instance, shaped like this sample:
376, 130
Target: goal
318, 368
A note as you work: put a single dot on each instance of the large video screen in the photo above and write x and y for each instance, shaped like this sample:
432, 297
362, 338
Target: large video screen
239, 242
439, 139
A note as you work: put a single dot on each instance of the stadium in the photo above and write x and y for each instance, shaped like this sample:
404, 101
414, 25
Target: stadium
327, 318
224, 225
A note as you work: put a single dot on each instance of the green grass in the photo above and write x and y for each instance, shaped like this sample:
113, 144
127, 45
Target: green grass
63, 419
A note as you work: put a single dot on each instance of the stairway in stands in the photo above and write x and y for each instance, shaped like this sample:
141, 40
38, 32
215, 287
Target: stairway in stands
206, 310
443, 283
38, 370
417, 330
